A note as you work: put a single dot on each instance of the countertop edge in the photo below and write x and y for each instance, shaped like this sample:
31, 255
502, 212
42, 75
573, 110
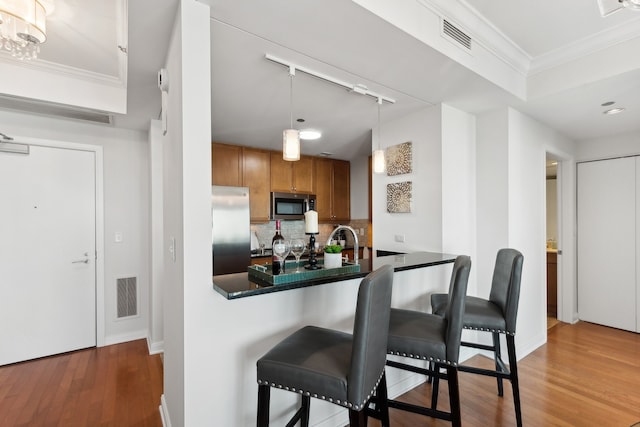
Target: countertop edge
399, 262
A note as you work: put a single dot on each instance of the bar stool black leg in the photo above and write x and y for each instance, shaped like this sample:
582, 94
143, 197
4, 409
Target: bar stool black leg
264, 392
513, 368
454, 396
382, 406
357, 418
306, 404
496, 356
435, 385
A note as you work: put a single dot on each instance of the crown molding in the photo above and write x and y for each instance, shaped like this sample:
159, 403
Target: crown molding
500, 45
586, 46
62, 70
483, 32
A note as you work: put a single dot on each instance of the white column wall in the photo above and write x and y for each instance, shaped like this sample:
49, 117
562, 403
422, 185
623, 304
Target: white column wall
458, 182
492, 194
173, 284
191, 320
511, 209
155, 335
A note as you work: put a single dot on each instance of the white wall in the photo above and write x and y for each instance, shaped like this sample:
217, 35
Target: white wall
126, 206
458, 187
422, 228
172, 234
512, 149
613, 146
190, 315
492, 194
458, 181
155, 336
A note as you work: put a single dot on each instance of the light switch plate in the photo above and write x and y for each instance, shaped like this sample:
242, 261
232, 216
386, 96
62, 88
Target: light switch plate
399, 238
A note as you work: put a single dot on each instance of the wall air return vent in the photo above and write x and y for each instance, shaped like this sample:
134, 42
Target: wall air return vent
127, 297
456, 34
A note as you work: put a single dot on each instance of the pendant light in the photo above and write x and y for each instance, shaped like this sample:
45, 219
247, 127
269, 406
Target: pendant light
378, 155
291, 136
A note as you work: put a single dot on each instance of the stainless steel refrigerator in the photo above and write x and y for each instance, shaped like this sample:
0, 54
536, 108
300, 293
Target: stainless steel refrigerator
230, 230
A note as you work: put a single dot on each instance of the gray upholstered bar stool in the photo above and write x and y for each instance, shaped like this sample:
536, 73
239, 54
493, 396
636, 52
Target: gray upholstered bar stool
341, 368
496, 315
425, 336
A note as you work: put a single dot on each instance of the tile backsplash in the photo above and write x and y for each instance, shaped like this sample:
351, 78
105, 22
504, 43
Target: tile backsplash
295, 229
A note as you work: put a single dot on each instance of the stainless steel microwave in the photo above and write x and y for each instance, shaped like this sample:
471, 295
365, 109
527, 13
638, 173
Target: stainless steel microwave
291, 205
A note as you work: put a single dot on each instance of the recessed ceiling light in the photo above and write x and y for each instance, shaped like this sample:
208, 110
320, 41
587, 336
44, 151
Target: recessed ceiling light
614, 111
300, 120
606, 104
310, 134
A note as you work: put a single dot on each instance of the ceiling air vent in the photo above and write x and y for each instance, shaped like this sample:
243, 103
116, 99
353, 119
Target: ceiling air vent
456, 34
52, 109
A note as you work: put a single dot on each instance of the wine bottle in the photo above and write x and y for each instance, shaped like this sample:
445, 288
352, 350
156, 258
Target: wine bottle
275, 261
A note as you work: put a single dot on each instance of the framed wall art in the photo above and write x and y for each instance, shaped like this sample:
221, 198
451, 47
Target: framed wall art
398, 159
399, 197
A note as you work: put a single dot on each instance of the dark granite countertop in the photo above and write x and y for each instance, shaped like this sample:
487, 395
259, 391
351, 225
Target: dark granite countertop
268, 253
239, 285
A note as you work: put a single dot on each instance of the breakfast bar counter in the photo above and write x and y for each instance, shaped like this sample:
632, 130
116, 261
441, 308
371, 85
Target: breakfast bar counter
240, 285
253, 317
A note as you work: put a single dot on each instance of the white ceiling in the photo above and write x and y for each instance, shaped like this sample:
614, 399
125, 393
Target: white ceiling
250, 95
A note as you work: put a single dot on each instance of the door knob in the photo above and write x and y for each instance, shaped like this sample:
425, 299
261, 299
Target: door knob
83, 261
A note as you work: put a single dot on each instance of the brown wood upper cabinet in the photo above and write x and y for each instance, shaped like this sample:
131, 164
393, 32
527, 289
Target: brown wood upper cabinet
239, 166
332, 189
291, 177
226, 164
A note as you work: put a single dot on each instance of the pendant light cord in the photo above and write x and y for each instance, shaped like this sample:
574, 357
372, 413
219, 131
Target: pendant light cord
291, 101
379, 106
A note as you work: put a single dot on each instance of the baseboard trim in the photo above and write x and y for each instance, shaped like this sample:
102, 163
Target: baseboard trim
155, 347
164, 412
130, 336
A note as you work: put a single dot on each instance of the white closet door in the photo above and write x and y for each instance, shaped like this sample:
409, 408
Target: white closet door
607, 242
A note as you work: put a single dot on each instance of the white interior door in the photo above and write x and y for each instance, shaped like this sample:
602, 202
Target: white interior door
607, 242
47, 252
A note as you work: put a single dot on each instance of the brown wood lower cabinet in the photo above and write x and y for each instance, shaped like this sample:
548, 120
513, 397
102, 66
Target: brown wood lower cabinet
261, 260
349, 253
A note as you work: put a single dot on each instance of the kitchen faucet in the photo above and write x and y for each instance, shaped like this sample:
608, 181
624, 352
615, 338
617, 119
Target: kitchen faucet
355, 239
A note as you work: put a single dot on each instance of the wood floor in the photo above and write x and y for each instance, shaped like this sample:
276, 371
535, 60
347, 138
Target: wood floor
587, 375
118, 385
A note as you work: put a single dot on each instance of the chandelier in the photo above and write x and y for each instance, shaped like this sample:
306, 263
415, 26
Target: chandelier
22, 27
631, 4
